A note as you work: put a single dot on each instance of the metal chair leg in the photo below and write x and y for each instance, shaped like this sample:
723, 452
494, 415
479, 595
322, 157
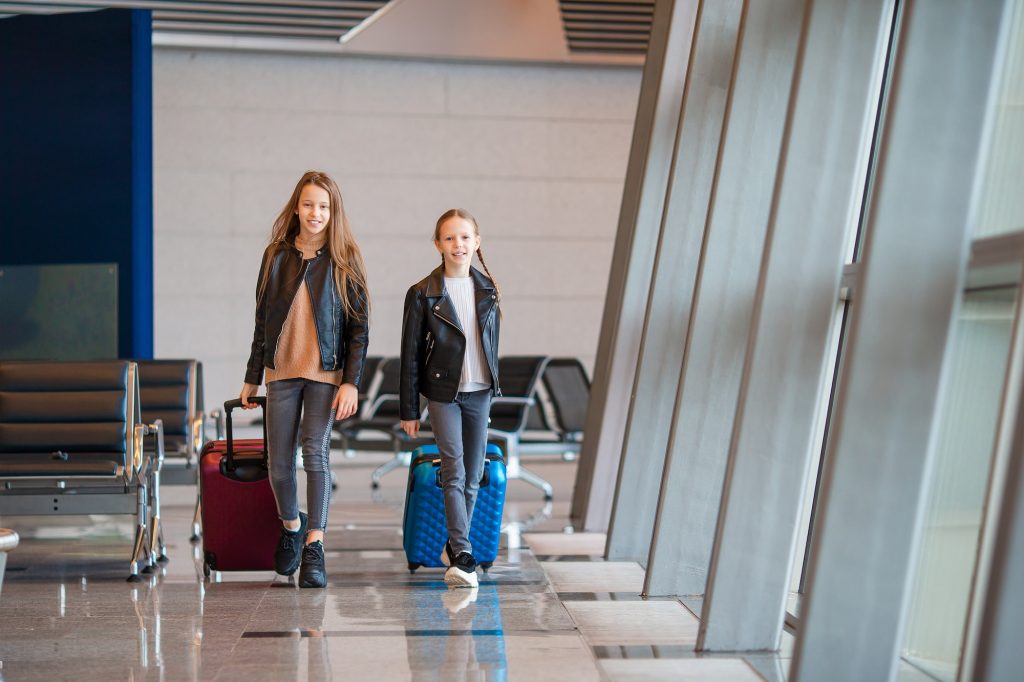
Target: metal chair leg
157, 549
400, 459
197, 527
527, 476
514, 530
515, 470
140, 550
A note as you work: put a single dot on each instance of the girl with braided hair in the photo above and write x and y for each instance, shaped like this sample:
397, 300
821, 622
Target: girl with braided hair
450, 357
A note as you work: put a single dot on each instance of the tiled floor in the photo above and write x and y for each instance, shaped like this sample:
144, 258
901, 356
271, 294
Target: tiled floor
549, 610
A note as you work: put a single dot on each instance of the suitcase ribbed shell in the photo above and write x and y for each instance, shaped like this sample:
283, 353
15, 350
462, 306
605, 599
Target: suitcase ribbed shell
425, 531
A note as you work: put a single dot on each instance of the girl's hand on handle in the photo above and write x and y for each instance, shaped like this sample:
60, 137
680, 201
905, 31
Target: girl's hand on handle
411, 427
248, 391
345, 401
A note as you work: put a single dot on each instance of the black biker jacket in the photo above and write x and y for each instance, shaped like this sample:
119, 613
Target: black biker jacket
342, 338
434, 344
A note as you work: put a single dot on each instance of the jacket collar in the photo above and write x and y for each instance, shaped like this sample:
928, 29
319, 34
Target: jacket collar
435, 281
293, 249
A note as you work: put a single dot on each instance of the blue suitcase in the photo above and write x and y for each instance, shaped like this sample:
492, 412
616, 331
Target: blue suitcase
423, 526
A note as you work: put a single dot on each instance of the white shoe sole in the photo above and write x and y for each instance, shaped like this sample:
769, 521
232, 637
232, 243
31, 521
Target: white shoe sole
456, 577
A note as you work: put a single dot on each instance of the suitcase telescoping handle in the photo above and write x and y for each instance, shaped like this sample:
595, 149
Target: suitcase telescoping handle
229, 405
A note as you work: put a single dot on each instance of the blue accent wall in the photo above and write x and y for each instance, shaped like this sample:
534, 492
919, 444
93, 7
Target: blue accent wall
76, 152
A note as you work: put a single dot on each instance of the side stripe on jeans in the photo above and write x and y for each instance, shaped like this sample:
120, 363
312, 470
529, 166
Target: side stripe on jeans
325, 452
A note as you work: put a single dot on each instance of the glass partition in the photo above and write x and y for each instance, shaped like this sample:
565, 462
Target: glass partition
1001, 201
58, 312
957, 488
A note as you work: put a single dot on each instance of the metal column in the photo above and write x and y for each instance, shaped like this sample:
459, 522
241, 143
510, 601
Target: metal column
643, 200
817, 204
675, 273
723, 301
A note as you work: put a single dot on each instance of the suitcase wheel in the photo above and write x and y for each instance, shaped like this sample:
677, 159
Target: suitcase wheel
209, 563
413, 567
486, 564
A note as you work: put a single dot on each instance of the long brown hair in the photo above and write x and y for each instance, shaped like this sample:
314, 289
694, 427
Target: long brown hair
466, 215
349, 268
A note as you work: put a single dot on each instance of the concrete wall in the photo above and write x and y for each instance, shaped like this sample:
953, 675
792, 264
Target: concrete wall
537, 152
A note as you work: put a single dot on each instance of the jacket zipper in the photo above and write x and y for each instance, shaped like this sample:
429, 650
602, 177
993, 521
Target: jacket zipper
449, 322
334, 327
494, 373
309, 292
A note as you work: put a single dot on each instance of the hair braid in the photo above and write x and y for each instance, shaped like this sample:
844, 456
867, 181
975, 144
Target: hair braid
497, 289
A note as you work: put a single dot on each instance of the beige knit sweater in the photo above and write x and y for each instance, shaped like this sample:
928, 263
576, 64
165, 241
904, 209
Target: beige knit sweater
298, 351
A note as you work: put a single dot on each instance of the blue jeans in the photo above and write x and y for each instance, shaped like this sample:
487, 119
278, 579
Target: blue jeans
287, 399
460, 429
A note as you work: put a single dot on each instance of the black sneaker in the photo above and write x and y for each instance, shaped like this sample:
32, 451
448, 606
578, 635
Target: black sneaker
447, 555
289, 547
462, 572
313, 573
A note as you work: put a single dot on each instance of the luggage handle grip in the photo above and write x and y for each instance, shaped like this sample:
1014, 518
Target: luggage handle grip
230, 405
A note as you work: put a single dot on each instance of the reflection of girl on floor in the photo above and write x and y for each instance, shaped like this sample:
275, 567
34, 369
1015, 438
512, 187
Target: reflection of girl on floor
457, 637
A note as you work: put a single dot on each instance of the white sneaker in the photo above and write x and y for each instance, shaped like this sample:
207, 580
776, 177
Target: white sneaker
456, 577
462, 572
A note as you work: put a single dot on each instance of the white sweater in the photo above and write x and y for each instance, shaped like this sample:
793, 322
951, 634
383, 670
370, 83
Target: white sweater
475, 375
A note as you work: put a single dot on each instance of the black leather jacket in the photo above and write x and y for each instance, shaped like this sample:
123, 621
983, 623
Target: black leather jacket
342, 338
434, 344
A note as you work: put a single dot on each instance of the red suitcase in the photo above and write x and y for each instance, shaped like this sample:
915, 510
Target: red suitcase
240, 523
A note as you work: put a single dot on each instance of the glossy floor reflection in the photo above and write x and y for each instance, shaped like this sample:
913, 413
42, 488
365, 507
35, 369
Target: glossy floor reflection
549, 609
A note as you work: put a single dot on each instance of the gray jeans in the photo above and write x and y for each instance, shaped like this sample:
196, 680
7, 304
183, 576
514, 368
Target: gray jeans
287, 399
460, 429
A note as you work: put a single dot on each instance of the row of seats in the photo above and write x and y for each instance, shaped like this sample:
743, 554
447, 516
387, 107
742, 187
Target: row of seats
541, 410
102, 437
97, 438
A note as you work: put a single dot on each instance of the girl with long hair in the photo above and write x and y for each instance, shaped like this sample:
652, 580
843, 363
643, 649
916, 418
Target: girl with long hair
310, 340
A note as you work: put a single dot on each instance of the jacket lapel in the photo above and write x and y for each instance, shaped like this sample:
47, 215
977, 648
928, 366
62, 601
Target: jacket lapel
440, 304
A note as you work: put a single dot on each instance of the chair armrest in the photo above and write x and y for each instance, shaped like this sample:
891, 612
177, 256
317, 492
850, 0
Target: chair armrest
198, 435
217, 416
381, 399
512, 400
156, 459
156, 429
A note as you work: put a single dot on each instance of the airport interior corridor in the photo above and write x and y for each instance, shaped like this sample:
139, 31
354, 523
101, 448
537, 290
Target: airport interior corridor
550, 609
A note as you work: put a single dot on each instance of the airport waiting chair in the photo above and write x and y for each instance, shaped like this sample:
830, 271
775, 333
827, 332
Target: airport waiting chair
518, 376
368, 390
372, 428
564, 396
172, 391
541, 435
72, 442
371, 378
